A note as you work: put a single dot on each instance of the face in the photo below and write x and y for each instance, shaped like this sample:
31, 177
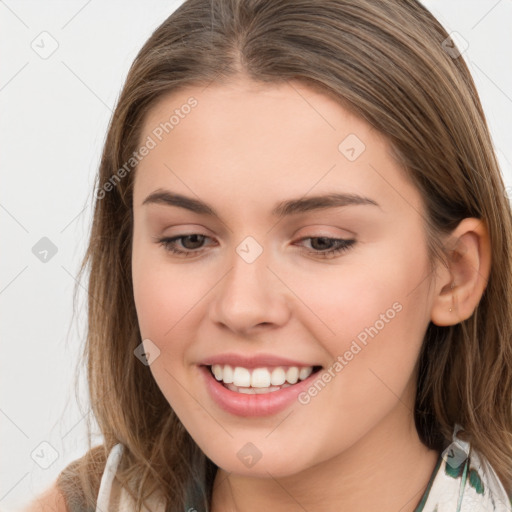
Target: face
258, 286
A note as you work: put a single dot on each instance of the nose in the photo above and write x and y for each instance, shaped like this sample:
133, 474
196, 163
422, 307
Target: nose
250, 297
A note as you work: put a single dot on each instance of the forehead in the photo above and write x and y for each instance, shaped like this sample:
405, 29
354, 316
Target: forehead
246, 141
293, 107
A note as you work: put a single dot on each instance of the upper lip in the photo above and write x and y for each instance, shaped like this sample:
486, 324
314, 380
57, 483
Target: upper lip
253, 361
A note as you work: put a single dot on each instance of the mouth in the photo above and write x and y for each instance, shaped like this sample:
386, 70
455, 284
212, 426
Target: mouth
262, 380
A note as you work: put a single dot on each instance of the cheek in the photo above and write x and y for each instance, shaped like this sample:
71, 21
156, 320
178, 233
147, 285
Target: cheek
377, 319
339, 302
166, 301
373, 316
165, 294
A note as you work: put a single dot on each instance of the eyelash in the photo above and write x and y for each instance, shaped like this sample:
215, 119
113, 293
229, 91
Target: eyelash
169, 245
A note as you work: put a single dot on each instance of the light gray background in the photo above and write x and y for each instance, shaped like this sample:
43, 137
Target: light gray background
54, 115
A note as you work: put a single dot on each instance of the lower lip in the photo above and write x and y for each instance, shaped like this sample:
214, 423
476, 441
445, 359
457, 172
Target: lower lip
242, 404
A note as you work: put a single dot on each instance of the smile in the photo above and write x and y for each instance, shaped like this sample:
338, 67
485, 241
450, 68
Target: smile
258, 391
259, 380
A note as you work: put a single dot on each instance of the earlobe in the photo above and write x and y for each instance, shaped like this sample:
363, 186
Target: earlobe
460, 287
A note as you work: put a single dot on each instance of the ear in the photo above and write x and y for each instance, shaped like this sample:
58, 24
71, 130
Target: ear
460, 287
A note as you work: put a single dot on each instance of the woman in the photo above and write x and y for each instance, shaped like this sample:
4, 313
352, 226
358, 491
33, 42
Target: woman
300, 272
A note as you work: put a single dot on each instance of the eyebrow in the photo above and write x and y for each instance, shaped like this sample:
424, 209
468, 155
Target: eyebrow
282, 209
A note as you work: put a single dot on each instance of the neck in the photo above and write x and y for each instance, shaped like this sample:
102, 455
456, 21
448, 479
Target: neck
387, 470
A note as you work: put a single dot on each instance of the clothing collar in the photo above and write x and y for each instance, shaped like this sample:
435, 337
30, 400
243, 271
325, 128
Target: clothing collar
463, 481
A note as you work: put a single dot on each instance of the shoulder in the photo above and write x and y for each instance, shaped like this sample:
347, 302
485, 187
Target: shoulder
51, 500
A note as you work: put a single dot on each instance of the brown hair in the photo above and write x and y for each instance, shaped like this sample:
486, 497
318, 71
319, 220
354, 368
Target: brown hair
385, 61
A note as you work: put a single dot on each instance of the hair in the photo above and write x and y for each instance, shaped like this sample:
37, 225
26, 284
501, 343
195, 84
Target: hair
385, 61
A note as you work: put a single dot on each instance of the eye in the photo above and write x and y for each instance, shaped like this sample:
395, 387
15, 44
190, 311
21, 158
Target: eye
191, 244
334, 246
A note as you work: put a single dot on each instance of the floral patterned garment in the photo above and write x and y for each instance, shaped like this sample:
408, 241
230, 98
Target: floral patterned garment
462, 481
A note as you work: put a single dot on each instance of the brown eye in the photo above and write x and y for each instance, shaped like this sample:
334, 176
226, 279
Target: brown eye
189, 245
328, 247
192, 242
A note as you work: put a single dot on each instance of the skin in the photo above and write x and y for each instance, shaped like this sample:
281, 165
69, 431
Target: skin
242, 149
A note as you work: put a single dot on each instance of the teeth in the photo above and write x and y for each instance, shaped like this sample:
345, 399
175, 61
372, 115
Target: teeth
241, 377
227, 374
256, 391
247, 391
259, 378
292, 375
217, 371
278, 377
304, 373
